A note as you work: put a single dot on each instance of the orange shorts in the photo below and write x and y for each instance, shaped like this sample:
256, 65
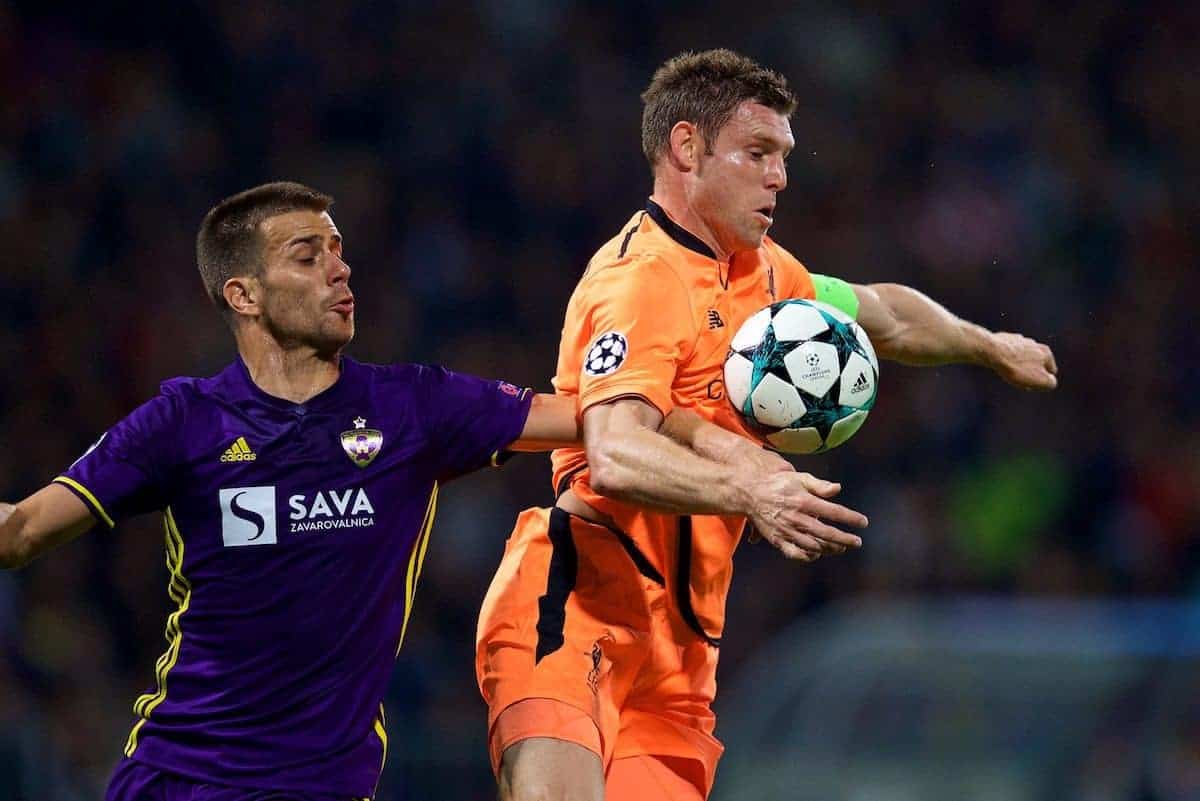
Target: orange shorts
630, 778
573, 617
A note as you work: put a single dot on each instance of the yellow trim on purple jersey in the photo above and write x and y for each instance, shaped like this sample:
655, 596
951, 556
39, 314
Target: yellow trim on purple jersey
381, 732
180, 590
502, 455
88, 498
415, 563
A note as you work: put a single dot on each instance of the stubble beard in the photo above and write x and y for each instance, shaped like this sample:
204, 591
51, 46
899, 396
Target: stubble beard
326, 338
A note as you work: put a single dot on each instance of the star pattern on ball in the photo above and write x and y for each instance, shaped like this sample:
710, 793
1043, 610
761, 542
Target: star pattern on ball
803, 375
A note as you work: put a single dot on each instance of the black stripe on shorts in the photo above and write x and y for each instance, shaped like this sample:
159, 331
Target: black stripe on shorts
560, 581
683, 582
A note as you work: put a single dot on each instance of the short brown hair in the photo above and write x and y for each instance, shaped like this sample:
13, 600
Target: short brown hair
230, 243
705, 88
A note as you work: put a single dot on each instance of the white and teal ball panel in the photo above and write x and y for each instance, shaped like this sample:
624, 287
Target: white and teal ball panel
803, 374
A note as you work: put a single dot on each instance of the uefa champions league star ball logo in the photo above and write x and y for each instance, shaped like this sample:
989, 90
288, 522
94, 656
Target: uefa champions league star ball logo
362, 444
606, 355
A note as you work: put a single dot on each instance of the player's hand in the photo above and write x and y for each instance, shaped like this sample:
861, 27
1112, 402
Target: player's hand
793, 512
1023, 362
760, 461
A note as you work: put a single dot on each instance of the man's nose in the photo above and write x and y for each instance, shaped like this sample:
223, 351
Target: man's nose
777, 174
340, 271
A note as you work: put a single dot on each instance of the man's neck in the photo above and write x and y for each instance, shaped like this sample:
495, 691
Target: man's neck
296, 374
674, 201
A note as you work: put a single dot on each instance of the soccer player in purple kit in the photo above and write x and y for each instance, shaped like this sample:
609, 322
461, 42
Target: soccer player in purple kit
298, 488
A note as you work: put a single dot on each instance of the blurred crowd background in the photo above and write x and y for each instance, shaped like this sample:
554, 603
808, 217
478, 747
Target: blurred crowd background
1033, 165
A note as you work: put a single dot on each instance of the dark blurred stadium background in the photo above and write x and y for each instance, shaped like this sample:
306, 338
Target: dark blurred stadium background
1034, 165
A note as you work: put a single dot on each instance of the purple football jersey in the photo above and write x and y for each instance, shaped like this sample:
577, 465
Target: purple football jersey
295, 535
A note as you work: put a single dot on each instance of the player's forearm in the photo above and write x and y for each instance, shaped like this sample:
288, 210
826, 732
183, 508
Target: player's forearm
909, 327
647, 469
709, 440
14, 550
552, 423
49, 517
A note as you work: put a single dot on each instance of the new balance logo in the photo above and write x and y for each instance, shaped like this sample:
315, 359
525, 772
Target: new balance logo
239, 451
714, 319
860, 384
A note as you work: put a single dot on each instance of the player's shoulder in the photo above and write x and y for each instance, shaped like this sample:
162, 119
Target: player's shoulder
645, 283
186, 389
635, 253
427, 381
166, 411
647, 270
432, 387
181, 392
617, 247
394, 374
645, 265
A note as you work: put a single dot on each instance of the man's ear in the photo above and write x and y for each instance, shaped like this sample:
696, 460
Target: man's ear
686, 145
243, 293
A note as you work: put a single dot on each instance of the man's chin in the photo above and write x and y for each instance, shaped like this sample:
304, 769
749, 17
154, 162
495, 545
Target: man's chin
752, 242
334, 341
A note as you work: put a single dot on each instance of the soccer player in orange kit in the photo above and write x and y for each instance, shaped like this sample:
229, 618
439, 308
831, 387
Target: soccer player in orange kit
598, 640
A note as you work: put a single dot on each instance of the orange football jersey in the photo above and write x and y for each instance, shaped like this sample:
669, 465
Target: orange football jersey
652, 317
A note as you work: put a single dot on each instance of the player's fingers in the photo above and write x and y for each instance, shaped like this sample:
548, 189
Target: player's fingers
819, 486
794, 540
797, 553
1041, 380
812, 534
835, 512
1051, 364
832, 535
831, 548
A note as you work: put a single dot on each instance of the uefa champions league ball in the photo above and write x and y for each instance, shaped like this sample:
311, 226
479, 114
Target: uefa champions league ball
803, 374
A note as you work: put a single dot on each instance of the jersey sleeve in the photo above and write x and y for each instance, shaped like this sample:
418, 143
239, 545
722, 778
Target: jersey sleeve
640, 328
470, 420
127, 471
836, 293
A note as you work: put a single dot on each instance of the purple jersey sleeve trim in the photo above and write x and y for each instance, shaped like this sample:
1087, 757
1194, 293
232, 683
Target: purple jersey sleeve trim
526, 407
89, 500
502, 455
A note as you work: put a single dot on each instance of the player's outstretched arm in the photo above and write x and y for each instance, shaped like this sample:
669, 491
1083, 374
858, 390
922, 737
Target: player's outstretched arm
725, 447
552, 423
47, 518
630, 460
907, 326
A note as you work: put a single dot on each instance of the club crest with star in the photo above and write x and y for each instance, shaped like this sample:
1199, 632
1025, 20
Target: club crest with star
362, 444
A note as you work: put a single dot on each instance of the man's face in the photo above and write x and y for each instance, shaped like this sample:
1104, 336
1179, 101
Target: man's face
736, 185
306, 285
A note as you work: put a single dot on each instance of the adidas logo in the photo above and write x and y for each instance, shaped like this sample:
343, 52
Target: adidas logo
860, 384
239, 451
714, 319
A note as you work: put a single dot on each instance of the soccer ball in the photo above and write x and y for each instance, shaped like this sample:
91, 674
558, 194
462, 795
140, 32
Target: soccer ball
803, 374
